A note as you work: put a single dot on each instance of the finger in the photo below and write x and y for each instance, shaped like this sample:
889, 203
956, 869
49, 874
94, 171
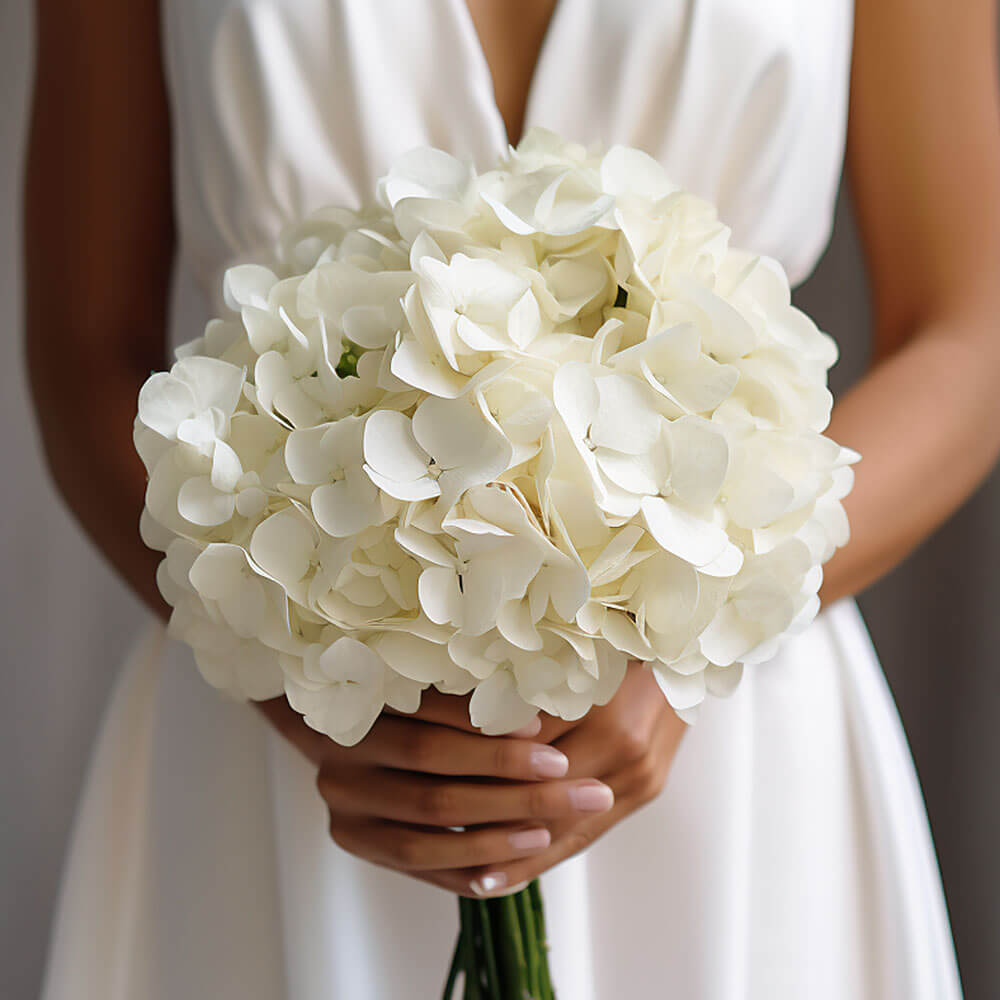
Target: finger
411, 848
416, 745
442, 709
634, 786
499, 880
438, 802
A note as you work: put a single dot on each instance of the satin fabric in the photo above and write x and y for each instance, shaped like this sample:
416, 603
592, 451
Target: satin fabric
789, 854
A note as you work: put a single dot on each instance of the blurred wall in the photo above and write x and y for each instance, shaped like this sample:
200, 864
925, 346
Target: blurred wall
66, 622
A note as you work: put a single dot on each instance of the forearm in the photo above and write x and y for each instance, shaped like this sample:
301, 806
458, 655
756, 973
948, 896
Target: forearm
86, 424
927, 424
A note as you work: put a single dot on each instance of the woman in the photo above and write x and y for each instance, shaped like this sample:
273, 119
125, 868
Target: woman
788, 855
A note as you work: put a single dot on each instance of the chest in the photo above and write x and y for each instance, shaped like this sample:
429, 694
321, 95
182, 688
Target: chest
511, 36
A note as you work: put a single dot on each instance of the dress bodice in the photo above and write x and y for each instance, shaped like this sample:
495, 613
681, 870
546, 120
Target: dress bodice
280, 106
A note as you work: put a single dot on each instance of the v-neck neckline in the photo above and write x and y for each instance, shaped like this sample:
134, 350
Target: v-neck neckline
476, 43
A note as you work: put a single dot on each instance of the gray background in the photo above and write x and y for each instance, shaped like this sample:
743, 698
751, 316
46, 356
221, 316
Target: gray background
65, 623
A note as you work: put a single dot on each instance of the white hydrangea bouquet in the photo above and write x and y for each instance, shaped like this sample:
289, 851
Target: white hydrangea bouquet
497, 434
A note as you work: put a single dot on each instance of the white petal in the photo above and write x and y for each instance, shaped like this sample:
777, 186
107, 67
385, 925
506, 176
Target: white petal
497, 708
758, 498
426, 172
626, 419
699, 386
424, 488
368, 326
728, 637
482, 589
608, 564
440, 596
411, 364
215, 383
305, 456
575, 282
226, 468
199, 502
516, 626
346, 507
576, 397
699, 460
165, 401
218, 570
538, 674
727, 563
401, 693
414, 657
423, 545
478, 337
632, 473
672, 601
725, 333
391, 449
628, 171
248, 285
683, 691
685, 535
524, 320
284, 545
723, 681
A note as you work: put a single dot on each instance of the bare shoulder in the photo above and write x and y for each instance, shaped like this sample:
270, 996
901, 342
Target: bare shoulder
923, 154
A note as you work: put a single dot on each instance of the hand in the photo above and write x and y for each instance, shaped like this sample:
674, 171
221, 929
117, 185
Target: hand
629, 744
395, 798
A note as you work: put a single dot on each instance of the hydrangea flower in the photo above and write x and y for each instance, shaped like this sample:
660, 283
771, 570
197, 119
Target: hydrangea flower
497, 434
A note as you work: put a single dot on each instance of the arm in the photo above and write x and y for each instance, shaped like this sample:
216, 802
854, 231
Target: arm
98, 243
924, 166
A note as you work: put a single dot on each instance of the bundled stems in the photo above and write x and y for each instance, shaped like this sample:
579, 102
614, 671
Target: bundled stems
501, 950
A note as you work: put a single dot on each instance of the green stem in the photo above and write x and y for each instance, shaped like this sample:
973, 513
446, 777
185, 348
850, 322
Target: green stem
516, 967
502, 949
531, 943
473, 990
492, 974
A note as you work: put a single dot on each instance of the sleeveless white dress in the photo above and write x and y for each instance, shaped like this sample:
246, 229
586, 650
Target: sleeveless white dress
789, 854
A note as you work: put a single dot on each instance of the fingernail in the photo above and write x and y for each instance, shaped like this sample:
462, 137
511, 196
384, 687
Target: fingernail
488, 883
533, 728
547, 762
531, 840
594, 796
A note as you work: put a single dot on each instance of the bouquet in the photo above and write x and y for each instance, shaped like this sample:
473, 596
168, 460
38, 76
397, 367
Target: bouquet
496, 433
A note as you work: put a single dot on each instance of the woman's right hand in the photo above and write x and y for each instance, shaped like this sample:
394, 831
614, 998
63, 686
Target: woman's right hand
396, 798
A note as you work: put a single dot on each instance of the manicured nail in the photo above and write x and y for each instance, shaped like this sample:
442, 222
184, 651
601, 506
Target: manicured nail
594, 796
547, 762
488, 883
531, 840
533, 728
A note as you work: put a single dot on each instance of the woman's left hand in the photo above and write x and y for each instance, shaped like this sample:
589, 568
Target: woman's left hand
629, 744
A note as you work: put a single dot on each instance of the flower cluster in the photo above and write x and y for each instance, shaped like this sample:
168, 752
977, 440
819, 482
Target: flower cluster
498, 433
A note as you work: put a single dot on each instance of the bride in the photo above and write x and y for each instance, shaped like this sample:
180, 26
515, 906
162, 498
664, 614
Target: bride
778, 849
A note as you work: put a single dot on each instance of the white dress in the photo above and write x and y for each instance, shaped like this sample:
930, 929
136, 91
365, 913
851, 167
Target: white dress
789, 854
